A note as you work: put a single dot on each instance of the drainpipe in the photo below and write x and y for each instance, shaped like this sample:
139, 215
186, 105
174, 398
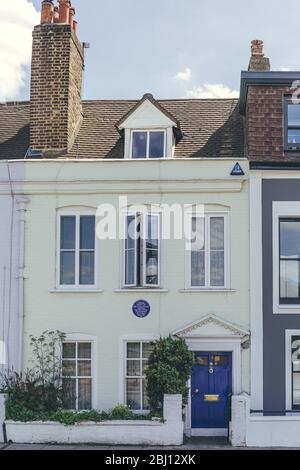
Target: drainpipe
22, 203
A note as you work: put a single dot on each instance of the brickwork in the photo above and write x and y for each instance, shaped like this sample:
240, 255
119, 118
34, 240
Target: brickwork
56, 84
265, 124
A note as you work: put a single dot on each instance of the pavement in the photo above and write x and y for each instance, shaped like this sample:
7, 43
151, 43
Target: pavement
218, 443
202, 443
195, 443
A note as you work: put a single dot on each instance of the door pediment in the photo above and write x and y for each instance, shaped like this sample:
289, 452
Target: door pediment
212, 326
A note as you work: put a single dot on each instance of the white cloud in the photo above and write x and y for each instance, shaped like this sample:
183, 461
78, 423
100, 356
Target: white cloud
185, 75
17, 18
212, 90
284, 69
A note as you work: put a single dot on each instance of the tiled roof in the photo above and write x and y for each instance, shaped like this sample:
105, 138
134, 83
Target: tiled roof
210, 128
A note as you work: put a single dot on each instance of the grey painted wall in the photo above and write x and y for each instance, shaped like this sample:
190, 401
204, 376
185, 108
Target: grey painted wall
274, 325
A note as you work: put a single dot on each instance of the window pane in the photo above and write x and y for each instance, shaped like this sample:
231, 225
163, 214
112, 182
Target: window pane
133, 393
69, 368
294, 114
84, 350
152, 267
152, 231
216, 268
201, 360
84, 394
84, 369
129, 267
134, 350
67, 232
289, 279
145, 396
198, 231
157, 144
69, 350
130, 232
133, 368
220, 360
217, 233
139, 144
87, 232
87, 268
296, 369
197, 268
69, 394
289, 239
67, 268
294, 136
147, 350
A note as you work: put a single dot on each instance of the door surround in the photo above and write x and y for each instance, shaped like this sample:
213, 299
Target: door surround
212, 333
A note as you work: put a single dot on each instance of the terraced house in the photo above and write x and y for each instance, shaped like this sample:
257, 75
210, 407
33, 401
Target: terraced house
62, 159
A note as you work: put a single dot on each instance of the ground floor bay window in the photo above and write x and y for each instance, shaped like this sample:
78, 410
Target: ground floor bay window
137, 355
77, 375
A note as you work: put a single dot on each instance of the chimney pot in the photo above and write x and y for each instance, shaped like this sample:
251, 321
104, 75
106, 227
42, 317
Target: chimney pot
47, 12
258, 61
257, 47
64, 11
56, 15
72, 14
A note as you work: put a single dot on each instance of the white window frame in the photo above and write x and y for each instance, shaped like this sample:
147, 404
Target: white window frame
144, 216
84, 338
77, 286
207, 215
148, 131
281, 209
134, 338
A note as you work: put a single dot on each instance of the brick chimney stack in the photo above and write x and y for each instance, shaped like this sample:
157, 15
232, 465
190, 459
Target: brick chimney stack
56, 80
258, 61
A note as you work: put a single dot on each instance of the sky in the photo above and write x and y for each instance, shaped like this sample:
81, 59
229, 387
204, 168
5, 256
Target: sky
170, 48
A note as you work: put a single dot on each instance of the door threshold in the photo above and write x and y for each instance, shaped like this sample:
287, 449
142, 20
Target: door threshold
209, 432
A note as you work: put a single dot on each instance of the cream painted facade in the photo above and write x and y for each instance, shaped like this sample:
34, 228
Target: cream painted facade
104, 315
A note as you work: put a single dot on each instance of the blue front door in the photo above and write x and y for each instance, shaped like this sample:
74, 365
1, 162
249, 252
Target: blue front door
211, 387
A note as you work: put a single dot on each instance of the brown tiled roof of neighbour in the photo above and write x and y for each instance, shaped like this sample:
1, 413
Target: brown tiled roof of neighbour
14, 130
211, 128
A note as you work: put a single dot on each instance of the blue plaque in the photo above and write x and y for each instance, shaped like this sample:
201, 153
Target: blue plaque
237, 170
141, 308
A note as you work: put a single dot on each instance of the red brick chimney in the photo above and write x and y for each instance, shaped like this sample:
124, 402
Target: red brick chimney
56, 81
258, 61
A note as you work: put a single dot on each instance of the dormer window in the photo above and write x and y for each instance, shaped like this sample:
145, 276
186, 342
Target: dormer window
148, 144
149, 130
292, 125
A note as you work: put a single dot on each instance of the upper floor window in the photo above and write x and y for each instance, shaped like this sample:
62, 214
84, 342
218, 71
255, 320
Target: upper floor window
292, 125
142, 250
76, 258
208, 252
289, 243
148, 144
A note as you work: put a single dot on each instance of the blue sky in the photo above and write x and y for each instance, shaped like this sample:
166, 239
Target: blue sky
140, 46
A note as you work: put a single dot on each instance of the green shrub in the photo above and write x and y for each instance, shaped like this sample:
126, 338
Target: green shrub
70, 418
169, 368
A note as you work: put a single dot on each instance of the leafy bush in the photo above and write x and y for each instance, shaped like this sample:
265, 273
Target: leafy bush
39, 389
70, 418
169, 368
